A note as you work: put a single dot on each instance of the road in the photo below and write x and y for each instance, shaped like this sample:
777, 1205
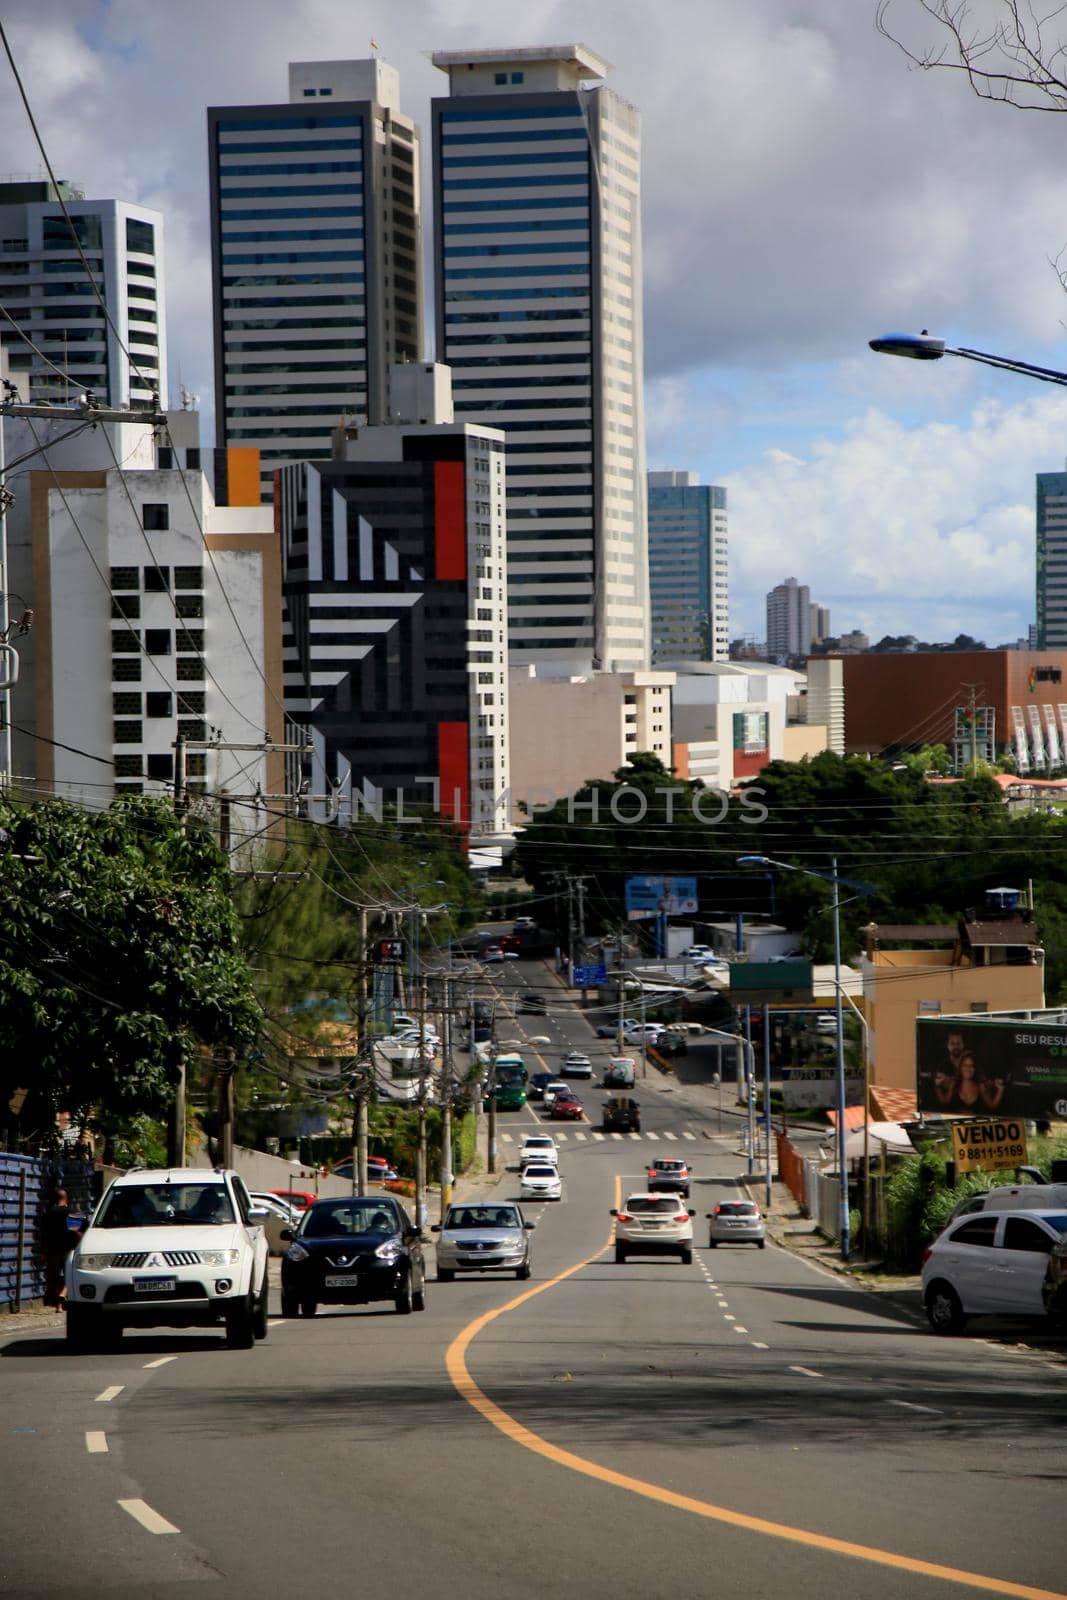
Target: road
743, 1426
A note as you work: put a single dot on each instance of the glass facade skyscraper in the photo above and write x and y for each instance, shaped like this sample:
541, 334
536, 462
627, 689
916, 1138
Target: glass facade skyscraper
688, 569
315, 256
537, 254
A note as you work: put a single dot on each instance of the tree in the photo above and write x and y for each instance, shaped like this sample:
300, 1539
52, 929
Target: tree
119, 957
1008, 58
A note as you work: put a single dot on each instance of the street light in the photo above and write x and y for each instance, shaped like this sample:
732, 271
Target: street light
832, 877
924, 347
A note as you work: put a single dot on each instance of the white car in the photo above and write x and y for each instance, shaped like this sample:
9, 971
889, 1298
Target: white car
654, 1225
575, 1065
989, 1264
551, 1090
177, 1248
540, 1181
538, 1147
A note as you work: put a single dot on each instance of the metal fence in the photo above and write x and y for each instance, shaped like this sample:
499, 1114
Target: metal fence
27, 1185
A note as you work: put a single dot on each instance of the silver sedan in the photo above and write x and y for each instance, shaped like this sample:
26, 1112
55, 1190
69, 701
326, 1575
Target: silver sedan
483, 1238
736, 1222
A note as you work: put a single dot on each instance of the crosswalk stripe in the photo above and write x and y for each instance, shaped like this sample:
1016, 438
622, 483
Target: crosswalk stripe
687, 1135
651, 1135
599, 1138
507, 1138
636, 1136
617, 1136
581, 1137
562, 1137
670, 1136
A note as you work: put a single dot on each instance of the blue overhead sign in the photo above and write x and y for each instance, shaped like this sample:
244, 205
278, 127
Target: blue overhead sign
590, 977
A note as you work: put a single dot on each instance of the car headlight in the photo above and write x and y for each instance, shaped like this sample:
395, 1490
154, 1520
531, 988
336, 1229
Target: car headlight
390, 1251
296, 1252
513, 1241
219, 1258
92, 1263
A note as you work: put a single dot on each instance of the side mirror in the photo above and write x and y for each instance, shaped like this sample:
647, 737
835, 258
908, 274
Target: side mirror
258, 1214
613, 1212
708, 1214
286, 1234
529, 1226
435, 1227
692, 1213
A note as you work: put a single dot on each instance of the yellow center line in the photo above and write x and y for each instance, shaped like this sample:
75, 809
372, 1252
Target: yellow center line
511, 1428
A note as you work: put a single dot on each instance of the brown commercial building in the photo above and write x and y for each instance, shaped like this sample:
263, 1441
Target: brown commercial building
977, 702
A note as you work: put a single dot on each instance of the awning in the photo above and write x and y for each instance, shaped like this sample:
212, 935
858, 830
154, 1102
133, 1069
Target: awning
888, 1136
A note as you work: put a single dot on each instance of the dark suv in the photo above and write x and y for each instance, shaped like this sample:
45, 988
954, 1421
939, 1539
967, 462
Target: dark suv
621, 1113
533, 1005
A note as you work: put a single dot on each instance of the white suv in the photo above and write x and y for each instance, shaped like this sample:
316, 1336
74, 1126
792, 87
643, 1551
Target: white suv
654, 1225
178, 1248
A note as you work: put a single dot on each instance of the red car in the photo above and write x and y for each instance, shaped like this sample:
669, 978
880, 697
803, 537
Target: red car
567, 1107
299, 1199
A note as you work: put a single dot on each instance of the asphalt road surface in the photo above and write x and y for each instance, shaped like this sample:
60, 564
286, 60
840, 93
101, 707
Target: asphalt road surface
743, 1426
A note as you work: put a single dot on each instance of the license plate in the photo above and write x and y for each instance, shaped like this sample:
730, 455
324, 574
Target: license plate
341, 1280
154, 1285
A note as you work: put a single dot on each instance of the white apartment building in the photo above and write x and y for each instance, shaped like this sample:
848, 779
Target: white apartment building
567, 729
119, 357
316, 257
156, 613
789, 619
537, 252
731, 719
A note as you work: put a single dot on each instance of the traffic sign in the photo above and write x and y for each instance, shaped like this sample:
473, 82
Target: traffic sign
590, 977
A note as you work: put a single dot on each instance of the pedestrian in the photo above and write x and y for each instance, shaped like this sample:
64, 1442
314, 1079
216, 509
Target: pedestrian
58, 1239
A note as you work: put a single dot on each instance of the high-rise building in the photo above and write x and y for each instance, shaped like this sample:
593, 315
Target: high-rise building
789, 620
395, 616
46, 289
315, 243
1051, 560
537, 252
820, 623
688, 568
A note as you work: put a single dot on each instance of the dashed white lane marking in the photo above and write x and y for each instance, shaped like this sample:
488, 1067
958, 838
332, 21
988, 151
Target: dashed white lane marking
160, 1362
737, 1327
278, 1322
910, 1405
149, 1519
109, 1394
757, 1345
96, 1442
728, 1316
506, 1138
806, 1372
670, 1136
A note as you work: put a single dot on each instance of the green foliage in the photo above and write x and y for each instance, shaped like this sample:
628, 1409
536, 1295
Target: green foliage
119, 956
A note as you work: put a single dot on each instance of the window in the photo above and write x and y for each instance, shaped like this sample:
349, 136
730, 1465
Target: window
155, 517
192, 703
156, 580
189, 605
192, 459
125, 642
309, 94
500, 77
157, 641
125, 578
126, 605
126, 671
190, 670
126, 705
979, 1230
192, 729
188, 577
325, 91
165, 456
126, 733
128, 767
190, 641
196, 764
159, 703
1022, 1234
161, 767
518, 77
140, 237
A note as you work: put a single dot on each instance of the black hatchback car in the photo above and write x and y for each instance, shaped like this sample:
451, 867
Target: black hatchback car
352, 1252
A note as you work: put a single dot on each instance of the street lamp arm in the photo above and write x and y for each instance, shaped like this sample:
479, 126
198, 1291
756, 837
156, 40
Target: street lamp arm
924, 347
808, 872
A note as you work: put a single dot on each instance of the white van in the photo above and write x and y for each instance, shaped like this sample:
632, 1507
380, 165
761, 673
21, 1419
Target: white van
619, 1073
1015, 1197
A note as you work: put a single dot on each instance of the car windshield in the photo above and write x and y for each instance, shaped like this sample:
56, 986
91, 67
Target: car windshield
641, 1204
325, 1220
668, 1166
540, 1172
152, 1205
482, 1217
737, 1208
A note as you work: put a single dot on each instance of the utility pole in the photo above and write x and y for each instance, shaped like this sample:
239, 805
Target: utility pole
225, 1067
492, 1103
363, 1088
420, 1148
447, 1085
179, 778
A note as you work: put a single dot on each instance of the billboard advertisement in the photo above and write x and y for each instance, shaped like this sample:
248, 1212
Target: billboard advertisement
653, 896
815, 1089
981, 1067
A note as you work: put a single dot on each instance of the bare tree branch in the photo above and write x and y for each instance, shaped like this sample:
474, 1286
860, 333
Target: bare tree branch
1010, 60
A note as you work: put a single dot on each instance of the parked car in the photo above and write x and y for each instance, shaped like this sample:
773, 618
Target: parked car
696, 951
1015, 1197
279, 1214
354, 1252
483, 1238
620, 1113
567, 1108
379, 1170
653, 1224
575, 1065
532, 1005
524, 925
736, 1222
299, 1199
175, 1248
666, 1173
540, 1181
609, 1030
990, 1263
620, 1073
1054, 1286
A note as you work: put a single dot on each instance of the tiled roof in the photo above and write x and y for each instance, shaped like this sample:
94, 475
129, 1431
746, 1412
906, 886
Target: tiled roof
893, 1105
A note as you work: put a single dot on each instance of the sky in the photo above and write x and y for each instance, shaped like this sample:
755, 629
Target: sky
804, 189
